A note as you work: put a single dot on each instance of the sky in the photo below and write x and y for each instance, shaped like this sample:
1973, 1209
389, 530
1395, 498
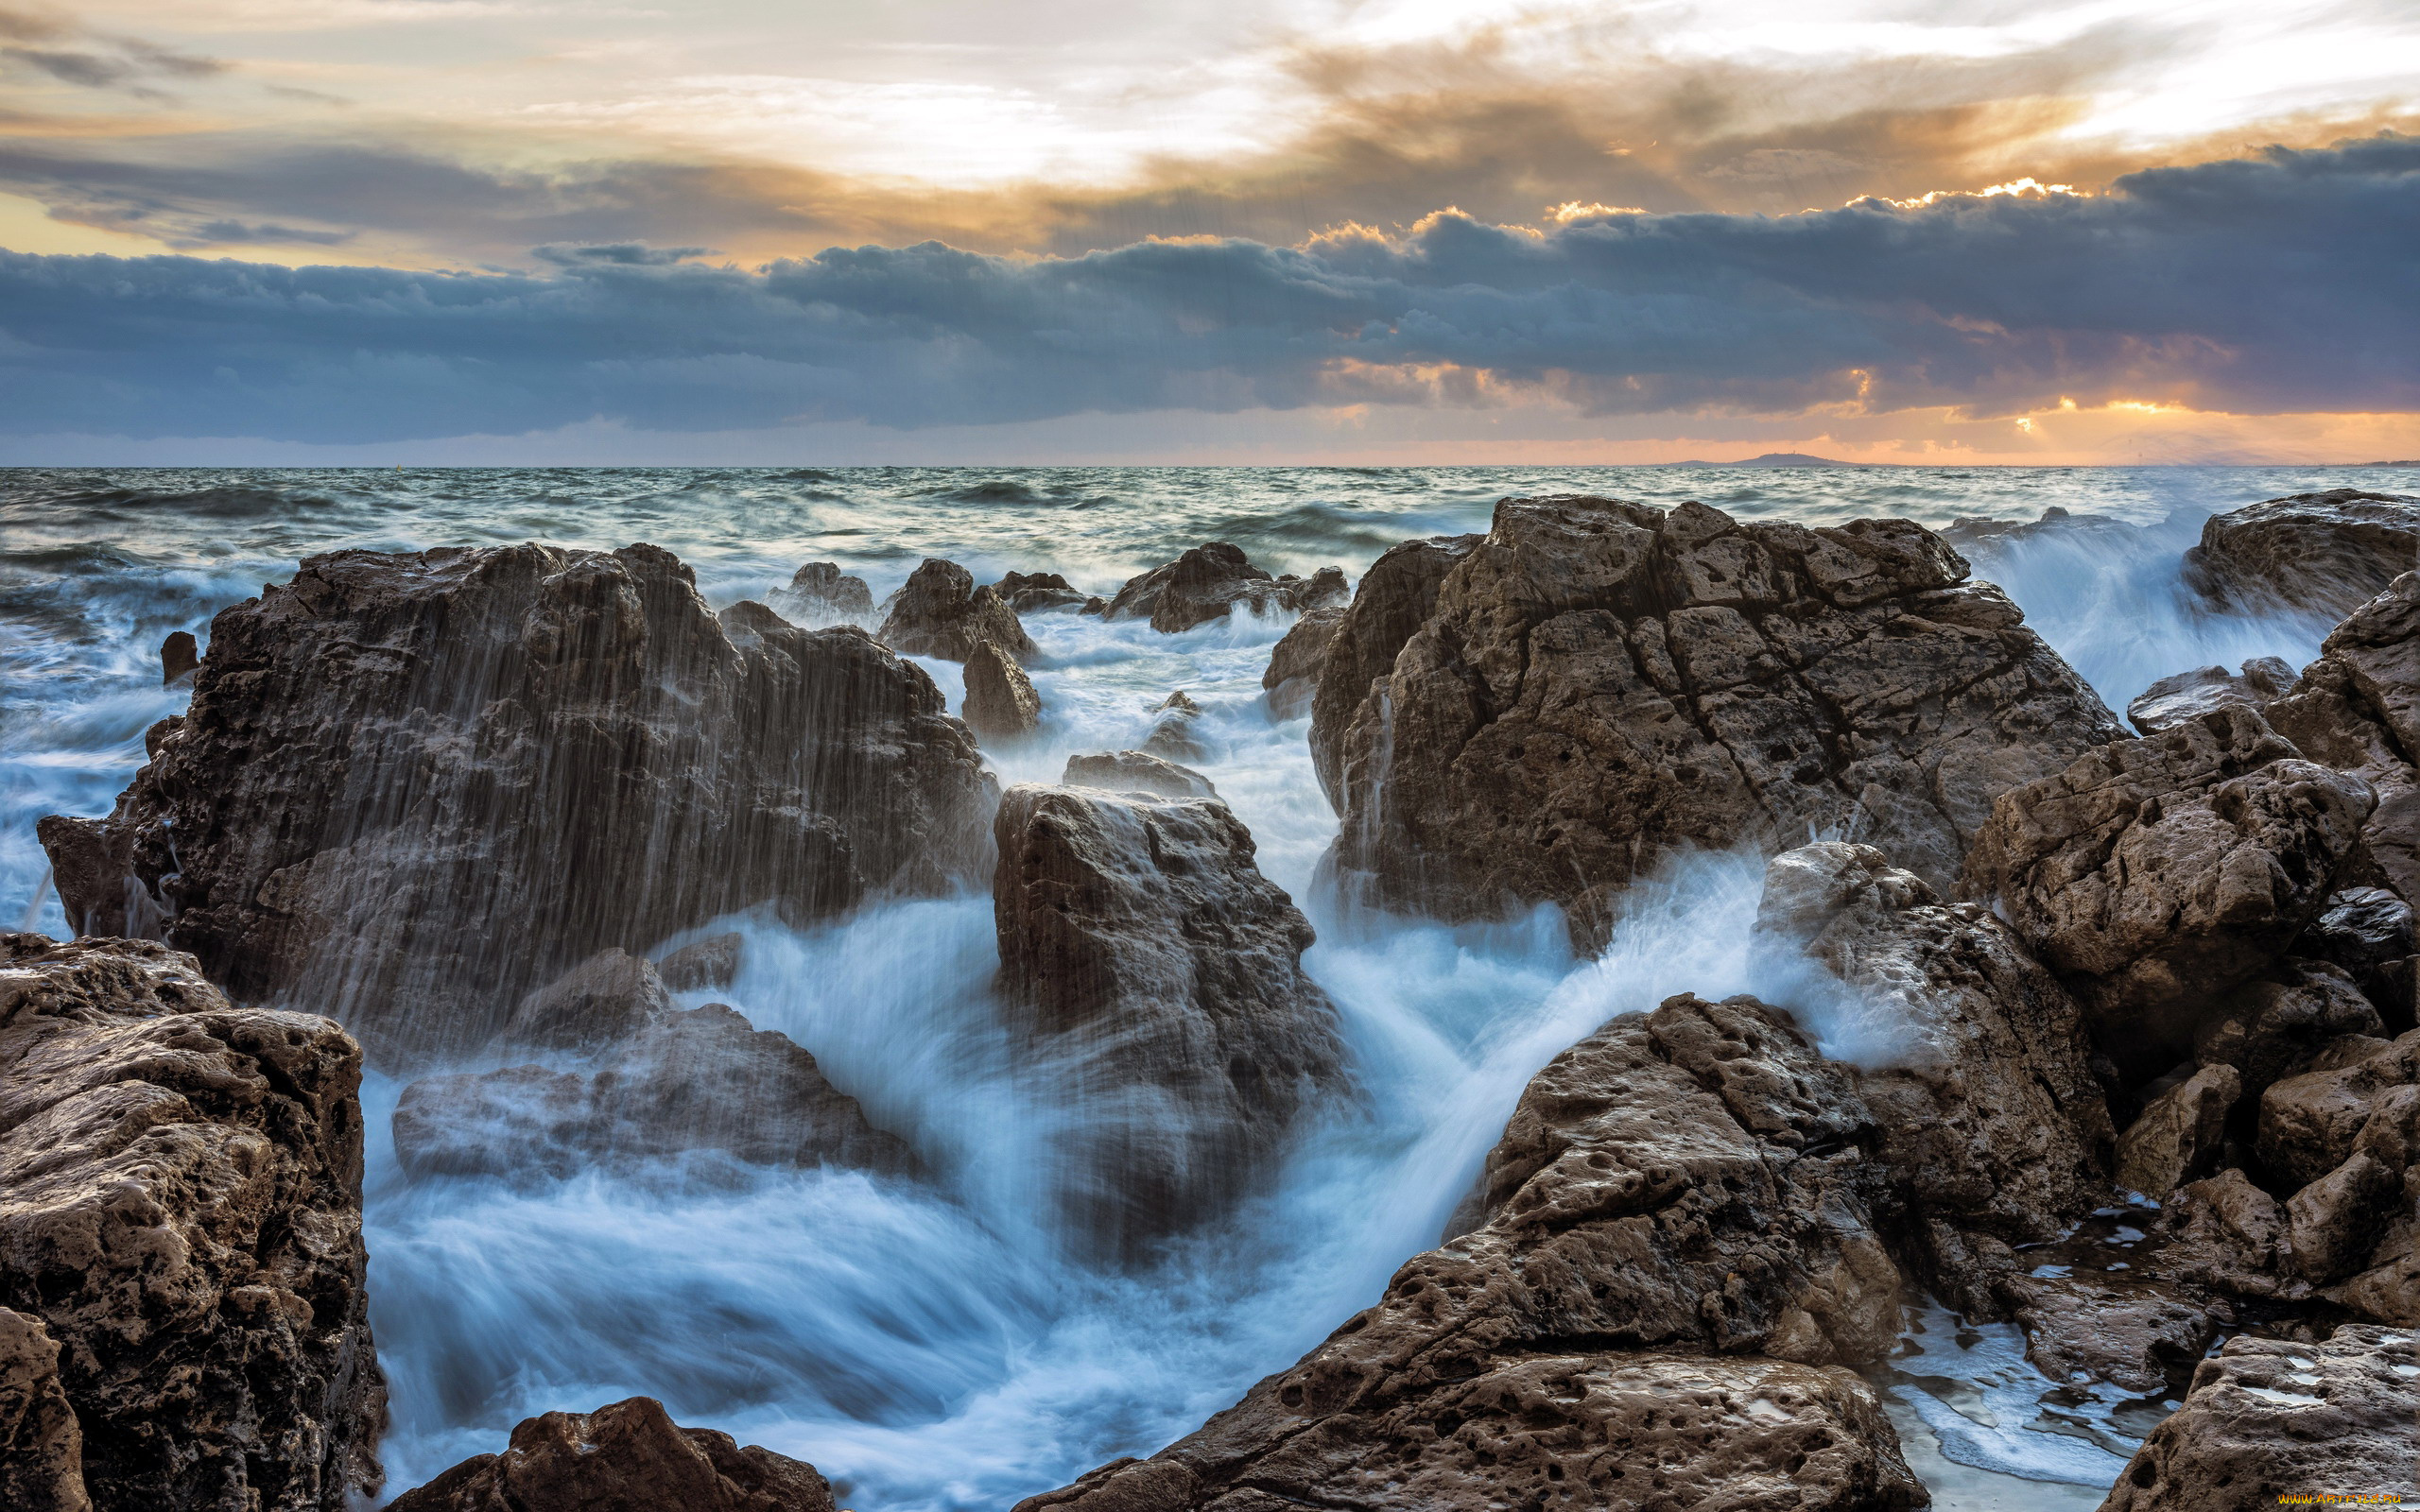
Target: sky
1208, 231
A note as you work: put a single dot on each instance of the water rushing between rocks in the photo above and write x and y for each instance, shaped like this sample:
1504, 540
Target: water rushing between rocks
958, 1343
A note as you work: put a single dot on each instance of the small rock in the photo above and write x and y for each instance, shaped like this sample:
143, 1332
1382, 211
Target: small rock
609, 996
1037, 592
2178, 1135
1294, 664
2137, 1336
701, 964
1000, 699
627, 1457
1135, 771
1172, 735
2171, 701
2327, 551
820, 594
1209, 580
940, 612
2308, 1122
180, 655
2229, 1235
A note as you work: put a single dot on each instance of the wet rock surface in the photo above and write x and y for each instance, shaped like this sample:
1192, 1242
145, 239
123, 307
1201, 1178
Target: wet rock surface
2358, 709
1135, 771
1038, 592
181, 1212
2155, 874
1208, 581
394, 751
1393, 599
2326, 552
819, 596
2186, 696
41, 1448
2269, 1419
701, 964
627, 1457
940, 612
1601, 681
1000, 699
1147, 958
1295, 664
180, 654
1175, 729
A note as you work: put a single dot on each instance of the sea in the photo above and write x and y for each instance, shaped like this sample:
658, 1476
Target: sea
939, 1346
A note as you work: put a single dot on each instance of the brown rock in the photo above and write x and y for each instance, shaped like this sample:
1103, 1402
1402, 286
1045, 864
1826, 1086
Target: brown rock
2226, 1234
1150, 959
180, 655
1393, 599
609, 996
2309, 551
1000, 700
701, 964
2333, 1224
940, 612
1600, 682
2155, 874
1037, 592
1135, 771
2308, 1122
1173, 736
2135, 1334
628, 1457
42, 1449
2358, 709
396, 751
1209, 580
2368, 932
2280, 1018
2177, 1137
1294, 664
822, 595
2173, 700
181, 1209
2269, 1419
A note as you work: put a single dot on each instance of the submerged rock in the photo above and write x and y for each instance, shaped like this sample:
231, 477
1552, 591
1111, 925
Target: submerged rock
2310, 551
1150, 963
180, 1212
1135, 771
940, 612
1600, 681
1392, 600
2173, 700
2269, 1420
1294, 664
413, 786
627, 1457
1173, 736
1035, 592
2156, 874
1209, 580
1000, 699
820, 595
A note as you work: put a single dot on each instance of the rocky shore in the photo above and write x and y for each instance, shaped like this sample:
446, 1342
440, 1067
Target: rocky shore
2174, 969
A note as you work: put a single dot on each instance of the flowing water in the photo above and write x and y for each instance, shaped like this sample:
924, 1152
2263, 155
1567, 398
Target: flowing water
936, 1345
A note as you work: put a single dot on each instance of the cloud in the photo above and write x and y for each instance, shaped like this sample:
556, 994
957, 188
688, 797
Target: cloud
624, 254
2280, 283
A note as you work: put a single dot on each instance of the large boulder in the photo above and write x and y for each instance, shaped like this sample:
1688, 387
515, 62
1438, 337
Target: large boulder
413, 786
2357, 710
627, 1457
42, 1449
1295, 661
180, 1212
2326, 552
2156, 874
940, 612
1600, 682
1000, 699
819, 596
1209, 580
1148, 960
1393, 599
2272, 1421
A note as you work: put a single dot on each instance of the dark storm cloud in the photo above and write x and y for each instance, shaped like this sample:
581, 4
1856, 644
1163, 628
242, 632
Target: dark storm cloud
2280, 283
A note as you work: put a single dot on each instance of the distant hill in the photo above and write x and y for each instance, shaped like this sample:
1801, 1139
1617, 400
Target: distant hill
1775, 459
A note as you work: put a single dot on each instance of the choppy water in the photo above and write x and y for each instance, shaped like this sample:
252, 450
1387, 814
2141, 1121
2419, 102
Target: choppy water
935, 1347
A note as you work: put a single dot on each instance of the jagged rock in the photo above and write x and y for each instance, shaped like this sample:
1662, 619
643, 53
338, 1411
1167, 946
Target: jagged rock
1294, 664
2358, 709
2309, 551
181, 1209
2387, 1286
628, 1457
2171, 701
1621, 1432
2156, 874
2135, 1334
2229, 1235
701, 964
2368, 932
2177, 1137
2332, 1225
1135, 771
1990, 539
2308, 1122
1036, 593
2272, 1420
395, 752
2280, 1018
180, 655
1000, 699
940, 612
1600, 681
1209, 580
1987, 1116
1144, 951
822, 595
1392, 600
42, 1449
1173, 736
680, 1081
